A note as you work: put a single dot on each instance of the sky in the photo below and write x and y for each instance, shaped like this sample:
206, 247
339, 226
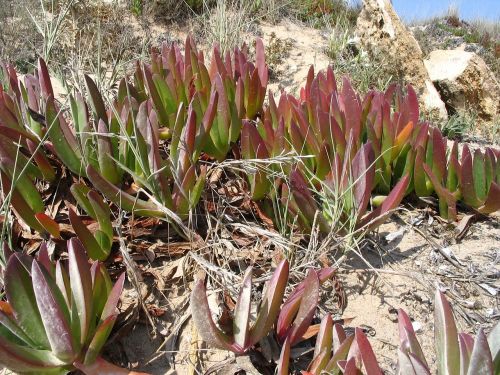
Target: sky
411, 10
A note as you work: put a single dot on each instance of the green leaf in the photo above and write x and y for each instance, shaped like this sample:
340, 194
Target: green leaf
81, 285
54, 313
242, 312
20, 294
446, 337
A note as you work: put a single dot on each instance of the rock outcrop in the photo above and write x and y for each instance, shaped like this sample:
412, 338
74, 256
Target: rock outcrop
465, 82
391, 43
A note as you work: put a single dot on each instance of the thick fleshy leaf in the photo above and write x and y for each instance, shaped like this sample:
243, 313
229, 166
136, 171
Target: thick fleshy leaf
363, 351
99, 339
481, 362
339, 354
242, 311
202, 317
446, 337
494, 344
94, 249
407, 338
377, 216
110, 308
27, 360
63, 139
96, 100
102, 213
270, 306
20, 294
325, 336
308, 304
284, 360
49, 224
54, 313
466, 344
79, 192
81, 285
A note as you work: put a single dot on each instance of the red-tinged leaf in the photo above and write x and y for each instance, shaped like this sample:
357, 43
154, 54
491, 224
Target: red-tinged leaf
101, 287
467, 179
41, 161
81, 285
453, 178
447, 201
202, 318
352, 109
349, 367
412, 103
340, 353
44, 78
408, 364
99, 339
377, 216
308, 304
260, 62
362, 350
242, 312
481, 362
23, 359
466, 344
96, 100
44, 258
94, 249
438, 154
120, 198
62, 138
284, 360
339, 336
48, 224
20, 206
407, 338
318, 363
494, 344
20, 294
54, 313
62, 281
325, 336
271, 303
102, 367
446, 337
363, 174
479, 175
110, 308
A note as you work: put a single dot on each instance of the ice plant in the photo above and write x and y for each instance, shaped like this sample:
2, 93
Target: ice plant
292, 319
457, 353
245, 334
56, 316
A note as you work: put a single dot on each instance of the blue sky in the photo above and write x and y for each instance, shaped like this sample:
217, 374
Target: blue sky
469, 9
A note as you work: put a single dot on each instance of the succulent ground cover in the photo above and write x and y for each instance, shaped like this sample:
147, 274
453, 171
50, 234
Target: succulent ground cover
325, 165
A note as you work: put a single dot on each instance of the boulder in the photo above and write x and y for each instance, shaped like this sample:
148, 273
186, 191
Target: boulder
465, 82
390, 43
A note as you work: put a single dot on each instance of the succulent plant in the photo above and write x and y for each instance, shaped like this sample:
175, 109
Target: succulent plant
56, 316
291, 319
